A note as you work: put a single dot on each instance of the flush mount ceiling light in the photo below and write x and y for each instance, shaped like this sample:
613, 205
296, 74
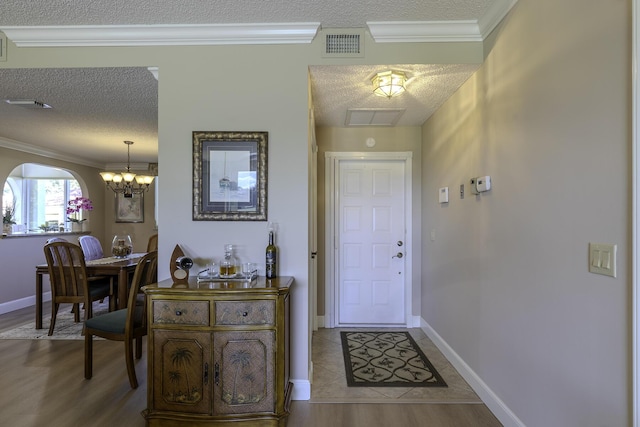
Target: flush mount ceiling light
27, 103
123, 182
389, 83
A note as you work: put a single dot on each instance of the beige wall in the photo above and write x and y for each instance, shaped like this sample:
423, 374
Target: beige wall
506, 282
139, 231
405, 139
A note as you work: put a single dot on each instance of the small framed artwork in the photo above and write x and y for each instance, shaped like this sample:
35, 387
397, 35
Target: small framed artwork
230, 176
130, 209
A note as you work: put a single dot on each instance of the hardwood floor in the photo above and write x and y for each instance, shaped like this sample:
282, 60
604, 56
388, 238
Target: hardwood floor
43, 384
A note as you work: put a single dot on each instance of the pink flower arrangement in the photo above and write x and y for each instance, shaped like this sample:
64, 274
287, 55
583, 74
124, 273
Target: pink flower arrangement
76, 205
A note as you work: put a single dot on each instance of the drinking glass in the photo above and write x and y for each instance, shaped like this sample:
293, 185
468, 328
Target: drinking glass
248, 269
212, 269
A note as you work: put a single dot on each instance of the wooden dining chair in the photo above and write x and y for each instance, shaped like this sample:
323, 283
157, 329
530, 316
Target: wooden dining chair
70, 283
152, 244
91, 247
56, 239
126, 325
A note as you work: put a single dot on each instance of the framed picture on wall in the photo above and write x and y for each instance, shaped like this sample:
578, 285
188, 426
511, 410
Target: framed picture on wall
129, 209
230, 176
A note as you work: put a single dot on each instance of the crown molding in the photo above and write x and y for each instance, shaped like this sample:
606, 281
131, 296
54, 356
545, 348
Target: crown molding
496, 13
259, 33
441, 31
39, 151
425, 31
161, 35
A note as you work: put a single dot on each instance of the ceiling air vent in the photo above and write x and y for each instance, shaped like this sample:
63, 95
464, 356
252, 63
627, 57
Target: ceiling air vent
373, 116
28, 103
343, 43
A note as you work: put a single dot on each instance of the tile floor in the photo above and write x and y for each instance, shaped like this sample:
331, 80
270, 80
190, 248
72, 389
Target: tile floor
330, 384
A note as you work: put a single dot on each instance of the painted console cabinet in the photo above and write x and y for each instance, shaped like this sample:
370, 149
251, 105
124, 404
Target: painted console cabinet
218, 353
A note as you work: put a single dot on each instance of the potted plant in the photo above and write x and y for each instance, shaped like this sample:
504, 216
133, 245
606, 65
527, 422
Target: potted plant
74, 209
8, 219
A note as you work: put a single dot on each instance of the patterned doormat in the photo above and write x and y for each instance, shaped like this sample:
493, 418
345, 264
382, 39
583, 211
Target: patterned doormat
386, 359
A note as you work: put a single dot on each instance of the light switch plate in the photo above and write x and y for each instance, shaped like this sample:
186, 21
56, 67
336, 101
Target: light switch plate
443, 195
602, 259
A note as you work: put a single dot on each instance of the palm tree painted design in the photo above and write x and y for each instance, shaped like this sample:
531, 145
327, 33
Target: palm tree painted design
174, 378
250, 378
182, 357
241, 360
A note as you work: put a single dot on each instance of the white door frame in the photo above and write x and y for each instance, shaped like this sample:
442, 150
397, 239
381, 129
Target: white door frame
332, 161
635, 218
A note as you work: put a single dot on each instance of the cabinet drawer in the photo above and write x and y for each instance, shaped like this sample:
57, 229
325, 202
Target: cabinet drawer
261, 312
181, 312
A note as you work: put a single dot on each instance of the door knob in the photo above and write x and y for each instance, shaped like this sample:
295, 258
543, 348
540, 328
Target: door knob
398, 255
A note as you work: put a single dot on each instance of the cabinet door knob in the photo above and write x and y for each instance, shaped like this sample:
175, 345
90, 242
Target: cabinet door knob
216, 374
178, 313
206, 373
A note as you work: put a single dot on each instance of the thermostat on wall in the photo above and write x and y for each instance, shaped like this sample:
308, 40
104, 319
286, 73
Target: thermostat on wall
483, 183
443, 195
480, 184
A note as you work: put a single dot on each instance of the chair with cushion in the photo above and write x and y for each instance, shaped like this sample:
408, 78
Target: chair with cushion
152, 244
124, 325
91, 247
69, 281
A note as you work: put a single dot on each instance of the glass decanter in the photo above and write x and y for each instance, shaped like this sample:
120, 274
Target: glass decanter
229, 264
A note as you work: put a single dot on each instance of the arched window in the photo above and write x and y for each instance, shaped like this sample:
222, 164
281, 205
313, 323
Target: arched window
38, 195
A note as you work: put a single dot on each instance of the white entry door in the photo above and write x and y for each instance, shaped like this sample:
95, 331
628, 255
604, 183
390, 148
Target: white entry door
370, 255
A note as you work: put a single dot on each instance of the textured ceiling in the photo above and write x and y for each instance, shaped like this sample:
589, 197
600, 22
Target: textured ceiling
339, 88
330, 13
94, 111
117, 104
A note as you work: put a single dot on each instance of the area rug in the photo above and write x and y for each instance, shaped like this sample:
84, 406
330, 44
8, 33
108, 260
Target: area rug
386, 359
65, 329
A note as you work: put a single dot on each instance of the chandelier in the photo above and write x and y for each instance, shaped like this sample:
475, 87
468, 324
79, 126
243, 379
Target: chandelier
389, 83
127, 183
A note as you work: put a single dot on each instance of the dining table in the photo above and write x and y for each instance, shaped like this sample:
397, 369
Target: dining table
118, 268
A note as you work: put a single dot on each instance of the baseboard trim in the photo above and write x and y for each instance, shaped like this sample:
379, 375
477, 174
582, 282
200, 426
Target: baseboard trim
301, 390
493, 402
416, 321
9, 306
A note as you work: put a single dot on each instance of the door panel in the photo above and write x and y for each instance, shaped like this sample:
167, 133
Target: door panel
182, 365
371, 220
244, 361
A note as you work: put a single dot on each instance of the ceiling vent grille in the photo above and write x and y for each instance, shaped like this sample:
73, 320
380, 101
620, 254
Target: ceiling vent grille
373, 116
343, 44
28, 103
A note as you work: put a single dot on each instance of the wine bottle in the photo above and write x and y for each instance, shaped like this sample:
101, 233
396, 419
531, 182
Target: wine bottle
271, 258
